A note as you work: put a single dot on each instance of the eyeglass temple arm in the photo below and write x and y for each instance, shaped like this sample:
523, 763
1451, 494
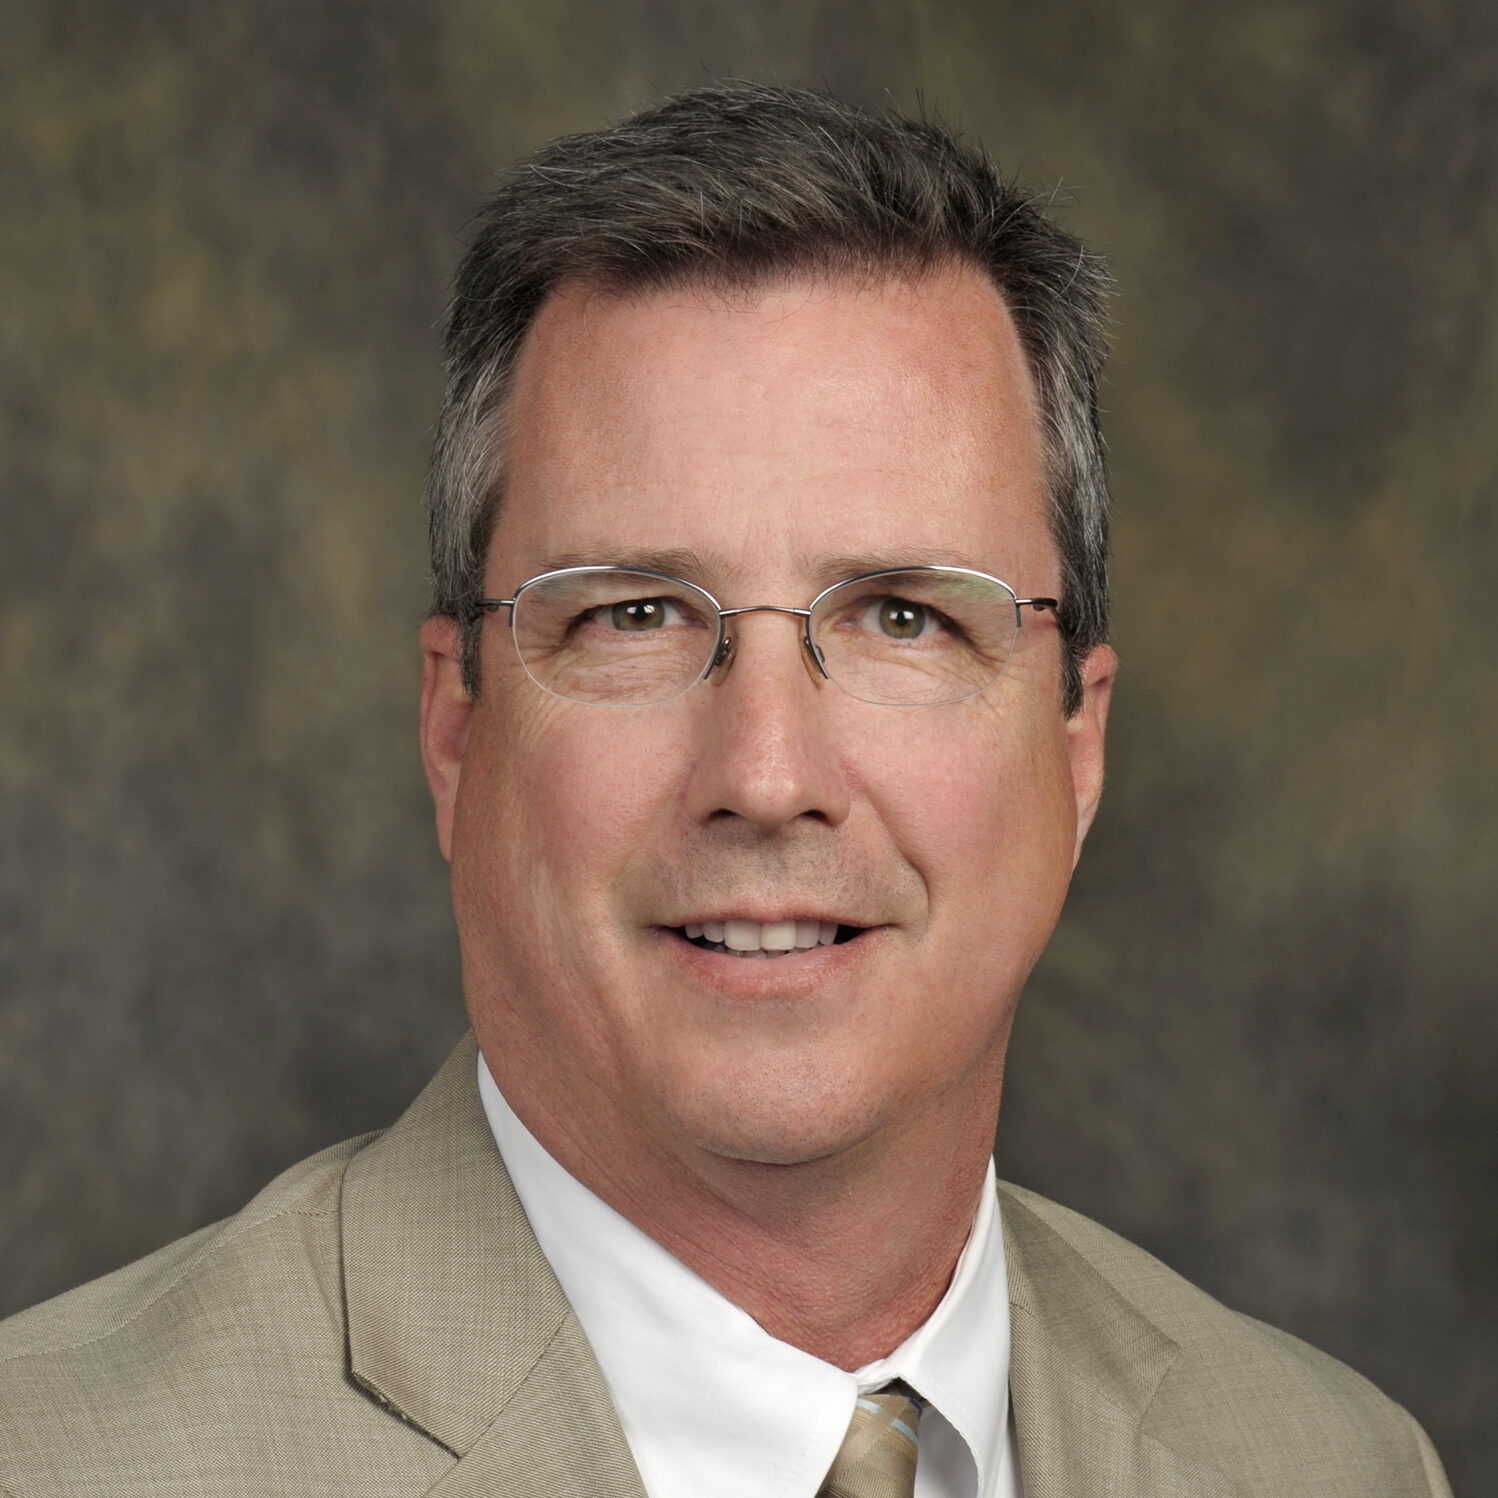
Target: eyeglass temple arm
1040, 605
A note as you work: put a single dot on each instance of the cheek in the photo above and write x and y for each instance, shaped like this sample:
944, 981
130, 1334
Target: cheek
578, 788
992, 828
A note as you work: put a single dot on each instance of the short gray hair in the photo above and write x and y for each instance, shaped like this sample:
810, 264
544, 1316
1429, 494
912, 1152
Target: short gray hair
731, 186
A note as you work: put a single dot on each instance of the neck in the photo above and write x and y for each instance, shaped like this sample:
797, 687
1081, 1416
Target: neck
775, 1239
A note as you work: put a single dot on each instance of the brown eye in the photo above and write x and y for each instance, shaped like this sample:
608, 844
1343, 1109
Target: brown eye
901, 620
639, 614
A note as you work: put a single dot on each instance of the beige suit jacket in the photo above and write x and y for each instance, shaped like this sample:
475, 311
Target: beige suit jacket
379, 1320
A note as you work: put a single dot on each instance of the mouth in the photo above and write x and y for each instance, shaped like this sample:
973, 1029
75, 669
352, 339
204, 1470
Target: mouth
746, 938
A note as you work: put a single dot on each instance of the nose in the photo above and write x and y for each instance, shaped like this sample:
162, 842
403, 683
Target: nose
724, 658
767, 752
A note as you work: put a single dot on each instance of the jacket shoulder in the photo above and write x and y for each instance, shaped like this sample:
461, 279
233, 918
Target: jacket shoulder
1271, 1411
204, 1360
109, 1306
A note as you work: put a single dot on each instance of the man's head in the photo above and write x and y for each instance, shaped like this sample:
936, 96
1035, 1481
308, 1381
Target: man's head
762, 430
734, 188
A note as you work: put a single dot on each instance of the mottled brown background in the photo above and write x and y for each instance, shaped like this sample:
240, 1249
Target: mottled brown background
1263, 1043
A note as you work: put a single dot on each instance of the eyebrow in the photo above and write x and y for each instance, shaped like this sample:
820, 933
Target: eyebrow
674, 561
891, 559
691, 565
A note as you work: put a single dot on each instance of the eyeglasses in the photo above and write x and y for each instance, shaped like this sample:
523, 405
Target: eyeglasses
914, 636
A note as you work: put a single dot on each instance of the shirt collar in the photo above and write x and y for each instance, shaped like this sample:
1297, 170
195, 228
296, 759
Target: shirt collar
958, 1361
709, 1401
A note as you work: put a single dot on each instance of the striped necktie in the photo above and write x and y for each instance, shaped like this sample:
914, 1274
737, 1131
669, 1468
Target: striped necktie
877, 1457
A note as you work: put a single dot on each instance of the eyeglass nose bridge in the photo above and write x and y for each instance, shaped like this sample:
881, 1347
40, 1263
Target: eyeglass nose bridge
723, 655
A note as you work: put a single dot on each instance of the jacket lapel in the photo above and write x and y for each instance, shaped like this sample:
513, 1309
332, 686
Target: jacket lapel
1084, 1369
456, 1323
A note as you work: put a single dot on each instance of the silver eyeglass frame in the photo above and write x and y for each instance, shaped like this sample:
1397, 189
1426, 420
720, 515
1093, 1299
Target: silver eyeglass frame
723, 651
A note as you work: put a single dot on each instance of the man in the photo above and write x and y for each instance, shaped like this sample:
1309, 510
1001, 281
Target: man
763, 713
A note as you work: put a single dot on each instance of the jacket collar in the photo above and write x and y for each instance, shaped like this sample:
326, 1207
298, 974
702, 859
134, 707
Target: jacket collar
456, 1323
1085, 1370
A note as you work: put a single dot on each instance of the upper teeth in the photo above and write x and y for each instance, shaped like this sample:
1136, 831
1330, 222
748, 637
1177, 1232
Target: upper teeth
767, 936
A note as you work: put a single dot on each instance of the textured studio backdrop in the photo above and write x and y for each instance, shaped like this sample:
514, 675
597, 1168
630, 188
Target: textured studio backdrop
1263, 1043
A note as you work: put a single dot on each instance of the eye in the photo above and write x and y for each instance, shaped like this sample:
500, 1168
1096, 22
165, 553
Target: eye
900, 619
638, 615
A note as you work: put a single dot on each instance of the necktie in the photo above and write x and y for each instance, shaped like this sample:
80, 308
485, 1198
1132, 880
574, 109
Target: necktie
877, 1457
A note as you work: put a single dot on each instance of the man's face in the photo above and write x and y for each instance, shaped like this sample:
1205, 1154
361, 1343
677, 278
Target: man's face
762, 447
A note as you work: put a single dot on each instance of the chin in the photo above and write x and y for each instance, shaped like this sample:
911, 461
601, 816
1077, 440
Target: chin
774, 1125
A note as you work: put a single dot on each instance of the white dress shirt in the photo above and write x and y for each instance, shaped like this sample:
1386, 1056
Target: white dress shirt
711, 1403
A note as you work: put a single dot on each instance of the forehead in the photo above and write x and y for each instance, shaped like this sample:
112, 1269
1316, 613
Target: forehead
784, 426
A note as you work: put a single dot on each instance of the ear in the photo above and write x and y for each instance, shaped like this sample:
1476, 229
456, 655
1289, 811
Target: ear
1084, 738
446, 715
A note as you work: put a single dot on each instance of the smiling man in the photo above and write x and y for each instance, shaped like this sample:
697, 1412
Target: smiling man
763, 712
